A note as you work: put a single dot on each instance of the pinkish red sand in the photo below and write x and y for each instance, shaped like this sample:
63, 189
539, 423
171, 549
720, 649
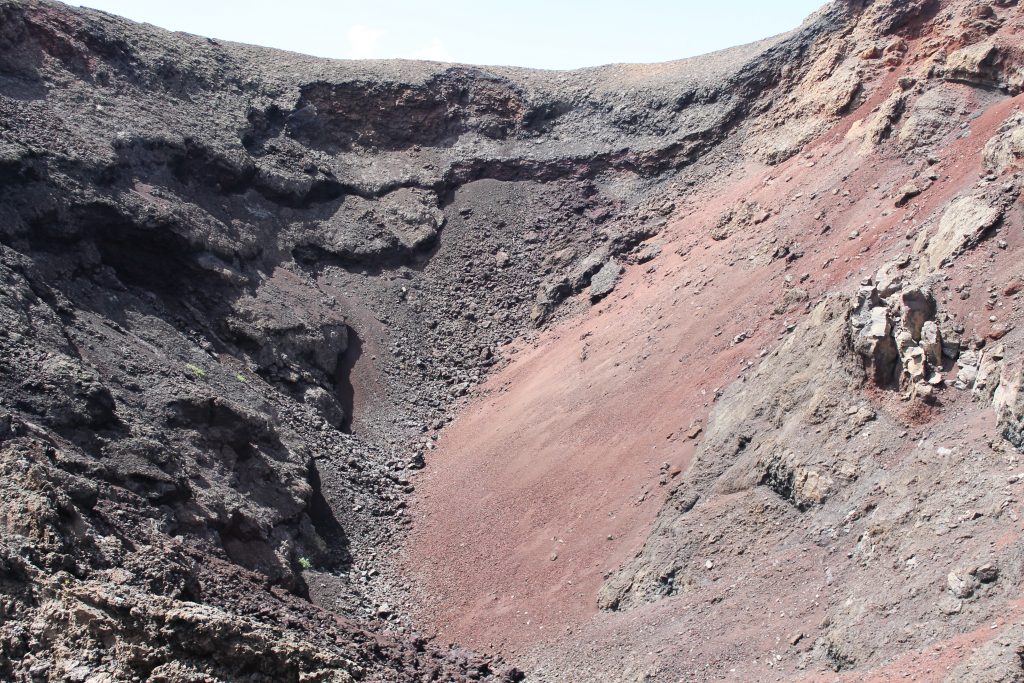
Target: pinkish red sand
550, 478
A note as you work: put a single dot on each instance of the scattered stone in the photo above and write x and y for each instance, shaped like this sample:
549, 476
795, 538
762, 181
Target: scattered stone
649, 253
961, 584
949, 605
742, 216
908, 192
873, 52
931, 343
602, 283
986, 573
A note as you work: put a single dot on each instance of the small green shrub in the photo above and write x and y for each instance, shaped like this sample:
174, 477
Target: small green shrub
241, 378
305, 563
196, 370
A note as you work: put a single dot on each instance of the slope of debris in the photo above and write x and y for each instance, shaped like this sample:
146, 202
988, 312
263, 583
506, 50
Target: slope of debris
818, 364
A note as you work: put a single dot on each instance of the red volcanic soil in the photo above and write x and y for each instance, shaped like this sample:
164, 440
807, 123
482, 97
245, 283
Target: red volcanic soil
549, 479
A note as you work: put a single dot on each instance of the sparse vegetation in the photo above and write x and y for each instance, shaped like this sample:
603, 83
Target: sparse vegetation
196, 371
305, 563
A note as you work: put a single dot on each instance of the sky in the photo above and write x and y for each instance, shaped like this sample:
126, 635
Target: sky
546, 34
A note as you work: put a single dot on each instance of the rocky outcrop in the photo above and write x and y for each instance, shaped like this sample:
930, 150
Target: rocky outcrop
1006, 148
962, 225
985, 64
899, 337
805, 387
1008, 401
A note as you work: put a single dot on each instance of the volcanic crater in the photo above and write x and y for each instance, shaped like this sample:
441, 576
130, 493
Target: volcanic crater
320, 370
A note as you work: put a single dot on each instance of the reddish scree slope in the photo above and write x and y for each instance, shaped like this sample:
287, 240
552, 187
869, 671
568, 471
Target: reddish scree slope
550, 478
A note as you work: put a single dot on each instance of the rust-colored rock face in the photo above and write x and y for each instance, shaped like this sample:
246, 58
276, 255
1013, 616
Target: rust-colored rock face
331, 371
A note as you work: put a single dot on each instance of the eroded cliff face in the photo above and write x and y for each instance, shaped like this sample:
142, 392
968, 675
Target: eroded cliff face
245, 293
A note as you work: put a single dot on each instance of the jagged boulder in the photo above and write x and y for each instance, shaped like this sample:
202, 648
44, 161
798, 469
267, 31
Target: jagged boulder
326, 405
897, 336
290, 335
802, 485
874, 130
892, 276
873, 335
596, 270
604, 280
394, 228
1008, 402
1006, 148
931, 343
962, 225
917, 306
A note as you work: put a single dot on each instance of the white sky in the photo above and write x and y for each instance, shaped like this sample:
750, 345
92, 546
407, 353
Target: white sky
537, 33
